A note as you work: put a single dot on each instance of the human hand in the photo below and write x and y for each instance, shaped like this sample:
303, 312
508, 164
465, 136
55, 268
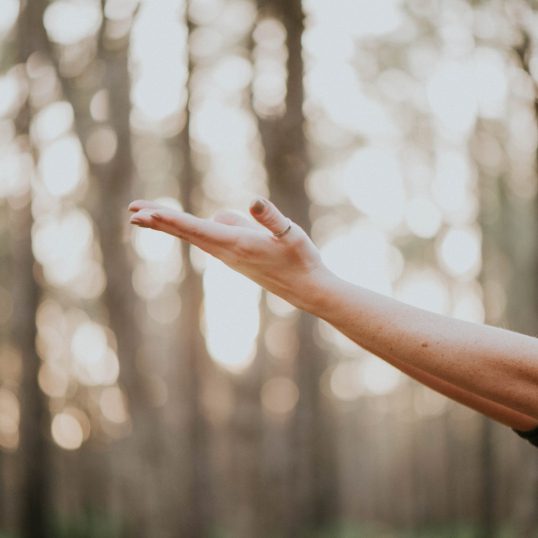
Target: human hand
289, 265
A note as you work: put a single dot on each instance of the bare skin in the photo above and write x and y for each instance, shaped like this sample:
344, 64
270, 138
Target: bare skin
491, 370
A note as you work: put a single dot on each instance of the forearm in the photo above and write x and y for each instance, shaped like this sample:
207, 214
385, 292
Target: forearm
494, 364
491, 409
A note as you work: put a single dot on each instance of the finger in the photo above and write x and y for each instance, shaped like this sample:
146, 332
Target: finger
138, 205
186, 226
232, 218
267, 214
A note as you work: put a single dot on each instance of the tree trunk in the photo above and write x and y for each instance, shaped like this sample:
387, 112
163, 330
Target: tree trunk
195, 521
34, 445
287, 163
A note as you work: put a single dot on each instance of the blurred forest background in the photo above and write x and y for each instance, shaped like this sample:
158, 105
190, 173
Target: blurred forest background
146, 391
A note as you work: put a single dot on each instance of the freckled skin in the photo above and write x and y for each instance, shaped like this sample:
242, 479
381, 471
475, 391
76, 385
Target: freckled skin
491, 370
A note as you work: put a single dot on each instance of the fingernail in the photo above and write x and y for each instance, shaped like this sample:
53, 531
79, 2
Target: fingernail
259, 206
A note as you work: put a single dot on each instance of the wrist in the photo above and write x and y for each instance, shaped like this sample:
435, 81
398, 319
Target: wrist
316, 291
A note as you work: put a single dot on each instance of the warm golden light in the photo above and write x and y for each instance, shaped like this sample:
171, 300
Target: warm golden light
68, 22
451, 98
425, 288
460, 252
279, 396
345, 380
360, 255
101, 145
373, 181
9, 419
270, 75
231, 315
423, 217
158, 90
52, 122
8, 15
378, 377
113, 406
62, 166
53, 379
94, 363
67, 431
13, 91
61, 243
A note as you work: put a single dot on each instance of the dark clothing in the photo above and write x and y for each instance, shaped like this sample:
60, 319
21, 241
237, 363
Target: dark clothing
531, 436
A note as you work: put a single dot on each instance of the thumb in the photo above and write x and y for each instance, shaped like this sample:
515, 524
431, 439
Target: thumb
268, 215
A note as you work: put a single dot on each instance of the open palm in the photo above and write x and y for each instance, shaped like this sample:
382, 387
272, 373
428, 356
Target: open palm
288, 266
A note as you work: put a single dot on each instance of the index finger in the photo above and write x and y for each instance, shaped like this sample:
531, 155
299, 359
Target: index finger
198, 231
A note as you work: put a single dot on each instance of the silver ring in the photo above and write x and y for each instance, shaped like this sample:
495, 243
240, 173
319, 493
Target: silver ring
283, 232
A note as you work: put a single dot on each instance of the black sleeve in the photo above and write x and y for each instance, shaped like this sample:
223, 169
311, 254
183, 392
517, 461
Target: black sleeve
531, 436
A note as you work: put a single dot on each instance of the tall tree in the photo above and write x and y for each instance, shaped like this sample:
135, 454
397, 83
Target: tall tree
287, 164
112, 189
196, 515
34, 443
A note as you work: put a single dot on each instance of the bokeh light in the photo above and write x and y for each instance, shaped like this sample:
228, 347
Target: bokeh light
67, 430
231, 315
68, 22
62, 166
279, 396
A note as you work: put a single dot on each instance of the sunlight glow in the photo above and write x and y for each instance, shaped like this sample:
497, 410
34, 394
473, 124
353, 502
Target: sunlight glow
423, 217
336, 89
113, 405
345, 380
99, 105
101, 145
16, 168
158, 90
118, 10
360, 255
13, 91
165, 308
67, 430
270, 56
161, 264
53, 121
281, 340
9, 419
469, 305
378, 377
424, 288
68, 22
53, 379
460, 252
453, 186
62, 166
62, 244
232, 316
213, 123
451, 97
232, 73
94, 362
350, 379
279, 306
491, 82
279, 396
374, 184
8, 15
360, 18
154, 246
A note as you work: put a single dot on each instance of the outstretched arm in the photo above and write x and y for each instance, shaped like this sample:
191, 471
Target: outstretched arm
492, 370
